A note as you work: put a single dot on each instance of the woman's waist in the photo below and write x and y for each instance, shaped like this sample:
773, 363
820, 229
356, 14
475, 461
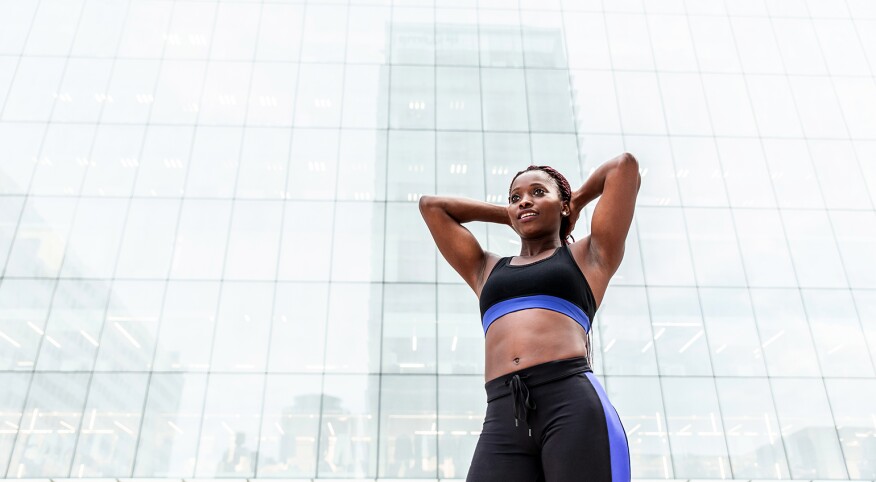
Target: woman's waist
537, 374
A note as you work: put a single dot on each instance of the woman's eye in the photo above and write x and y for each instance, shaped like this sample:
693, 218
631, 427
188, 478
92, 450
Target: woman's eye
539, 190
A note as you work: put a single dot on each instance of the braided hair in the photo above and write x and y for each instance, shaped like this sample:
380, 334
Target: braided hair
565, 195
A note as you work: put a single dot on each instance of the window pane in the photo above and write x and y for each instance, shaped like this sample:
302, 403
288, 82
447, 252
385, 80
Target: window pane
459, 98
367, 25
794, 179
147, 244
64, 159
74, 326
746, 173
11, 403
764, 248
625, 329
854, 417
714, 247
254, 239
696, 431
111, 425
412, 98
504, 99
272, 94
366, 94
629, 42
411, 165
679, 334
263, 164
732, 332
460, 332
549, 101
94, 238
501, 42
641, 110
21, 148
842, 349
410, 249
358, 242
325, 33
362, 165
243, 324
839, 175
164, 161
408, 329
595, 103
413, 35
24, 307
171, 422
684, 104
187, 323
313, 167
224, 99
408, 427
290, 425
639, 403
228, 443
753, 437
460, 421
318, 102
353, 331
665, 247
280, 32
297, 342
79, 97
349, 413
699, 172
130, 329
199, 250
52, 416
816, 259
784, 333
659, 185
856, 235
114, 161
31, 95
456, 41
808, 429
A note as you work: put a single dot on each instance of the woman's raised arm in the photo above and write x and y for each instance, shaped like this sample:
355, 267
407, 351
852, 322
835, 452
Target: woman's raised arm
444, 216
617, 181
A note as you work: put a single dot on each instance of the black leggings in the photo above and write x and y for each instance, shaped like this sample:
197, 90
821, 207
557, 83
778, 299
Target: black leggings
550, 422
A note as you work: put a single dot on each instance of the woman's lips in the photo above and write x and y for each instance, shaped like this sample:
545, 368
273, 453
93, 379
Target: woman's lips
527, 218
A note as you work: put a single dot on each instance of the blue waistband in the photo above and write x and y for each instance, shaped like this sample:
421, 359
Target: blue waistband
546, 302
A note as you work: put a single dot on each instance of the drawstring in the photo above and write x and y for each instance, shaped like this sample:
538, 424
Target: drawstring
519, 389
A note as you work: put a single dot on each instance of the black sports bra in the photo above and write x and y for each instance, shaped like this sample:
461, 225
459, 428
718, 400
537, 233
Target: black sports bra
555, 283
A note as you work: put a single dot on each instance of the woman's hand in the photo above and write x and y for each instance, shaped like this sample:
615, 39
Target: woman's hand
576, 205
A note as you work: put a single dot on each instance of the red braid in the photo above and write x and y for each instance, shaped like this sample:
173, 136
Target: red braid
565, 195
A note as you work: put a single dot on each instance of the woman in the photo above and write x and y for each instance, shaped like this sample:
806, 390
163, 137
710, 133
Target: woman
536, 310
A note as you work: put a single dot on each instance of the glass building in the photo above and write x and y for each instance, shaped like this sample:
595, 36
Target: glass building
213, 264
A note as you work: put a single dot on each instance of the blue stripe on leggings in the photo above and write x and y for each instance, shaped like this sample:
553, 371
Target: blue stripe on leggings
617, 438
547, 302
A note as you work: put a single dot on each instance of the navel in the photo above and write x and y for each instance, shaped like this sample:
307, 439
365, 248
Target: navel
517, 361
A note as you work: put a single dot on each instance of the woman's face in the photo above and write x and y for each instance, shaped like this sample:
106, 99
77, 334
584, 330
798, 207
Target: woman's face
534, 204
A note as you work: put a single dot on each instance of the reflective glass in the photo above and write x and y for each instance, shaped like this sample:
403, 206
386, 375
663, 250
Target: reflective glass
408, 428
41, 238
839, 175
349, 427
110, 425
324, 33
24, 308
185, 333
680, 338
263, 165
854, 418
17, 159
254, 240
842, 348
279, 32
354, 326
639, 403
408, 329
501, 40
714, 247
224, 96
369, 26
128, 338
855, 236
699, 172
34, 90
626, 332
80, 95
587, 45
74, 326
549, 101
357, 243
628, 41
684, 104
665, 247
178, 91
785, 337
595, 102
456, 36
148, 240
114, 161
10, 210
410, 253
318, 102
794, 179
817, 262
297, 341
131, 88
412, 97
201, 238
164, 161
753, 437
734, 338
49, 423
460, 333
696, 430
641, 110
11, 404
729, 105
146, 29
460, 402
659, 185
411, 165
290, 425
15, 24
63, 161
243, 324
807, 429
94, 238
458, 98
52, 32
504, 100
229, 433
235, 32
764, 248
413, 35
272, 94
171, 423
543, 37
671, 41
857, 98
713, 39
366, 94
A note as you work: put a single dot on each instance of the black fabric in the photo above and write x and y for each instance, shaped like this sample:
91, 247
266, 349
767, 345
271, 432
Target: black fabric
557, 275
561, 435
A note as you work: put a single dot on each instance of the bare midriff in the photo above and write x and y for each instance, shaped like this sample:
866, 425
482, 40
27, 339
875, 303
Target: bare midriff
525, 338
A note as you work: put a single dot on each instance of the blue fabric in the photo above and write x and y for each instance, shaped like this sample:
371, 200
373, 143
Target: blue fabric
546, 302
617, 438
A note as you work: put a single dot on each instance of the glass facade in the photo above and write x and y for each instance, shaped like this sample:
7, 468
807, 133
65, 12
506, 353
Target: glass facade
213, 264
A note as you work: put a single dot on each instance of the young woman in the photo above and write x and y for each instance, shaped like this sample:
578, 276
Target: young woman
536, 310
